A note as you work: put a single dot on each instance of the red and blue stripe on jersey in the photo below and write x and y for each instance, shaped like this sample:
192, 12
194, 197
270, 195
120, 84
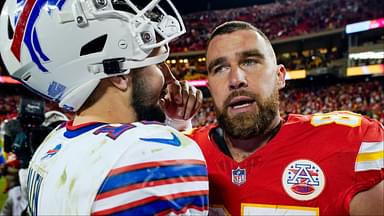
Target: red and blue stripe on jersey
75, 131
152, 174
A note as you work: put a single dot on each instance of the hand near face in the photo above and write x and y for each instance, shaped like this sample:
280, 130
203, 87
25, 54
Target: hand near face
182, 101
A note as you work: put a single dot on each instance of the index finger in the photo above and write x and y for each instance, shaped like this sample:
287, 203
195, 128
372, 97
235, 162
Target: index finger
168, 76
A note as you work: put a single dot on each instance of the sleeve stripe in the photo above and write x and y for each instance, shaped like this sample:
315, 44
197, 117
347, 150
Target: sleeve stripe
152, 174
187, 210
148, 200
369, 147
362, 157
153, 164
179, 206
149, 184
369, 165
140, 196
370, 156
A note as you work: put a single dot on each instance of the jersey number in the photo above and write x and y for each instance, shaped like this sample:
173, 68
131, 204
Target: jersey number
263, 209
341, 118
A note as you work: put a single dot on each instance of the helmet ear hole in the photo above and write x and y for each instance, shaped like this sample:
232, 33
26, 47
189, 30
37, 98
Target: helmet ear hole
26, 77
94, 46
10, 29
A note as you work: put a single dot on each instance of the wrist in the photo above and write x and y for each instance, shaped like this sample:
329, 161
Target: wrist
178, 124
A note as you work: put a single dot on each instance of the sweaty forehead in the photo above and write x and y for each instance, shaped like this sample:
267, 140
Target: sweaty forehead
231, 44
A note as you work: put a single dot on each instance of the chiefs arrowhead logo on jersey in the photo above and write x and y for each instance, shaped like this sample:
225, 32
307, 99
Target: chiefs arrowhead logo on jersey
303, 180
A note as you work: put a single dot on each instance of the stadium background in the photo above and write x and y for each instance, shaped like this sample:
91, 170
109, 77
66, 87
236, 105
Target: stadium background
333, 50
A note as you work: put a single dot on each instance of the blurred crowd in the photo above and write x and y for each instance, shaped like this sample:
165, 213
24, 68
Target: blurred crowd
280, 19
9, 106
321, 58
366, 97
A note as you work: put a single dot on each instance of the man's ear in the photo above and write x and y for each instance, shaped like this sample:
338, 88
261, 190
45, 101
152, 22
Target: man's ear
121, 82
281, 72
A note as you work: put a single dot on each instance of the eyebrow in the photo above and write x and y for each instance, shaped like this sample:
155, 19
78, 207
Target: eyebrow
215, 62
244, 54
253, 52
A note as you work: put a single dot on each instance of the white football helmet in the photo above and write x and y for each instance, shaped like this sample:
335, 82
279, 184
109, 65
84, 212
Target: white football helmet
62, 48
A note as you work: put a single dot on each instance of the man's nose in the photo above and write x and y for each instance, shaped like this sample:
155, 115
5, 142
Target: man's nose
237, 79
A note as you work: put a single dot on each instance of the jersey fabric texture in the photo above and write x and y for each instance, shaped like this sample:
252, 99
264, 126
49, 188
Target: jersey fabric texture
313, 166
142, 168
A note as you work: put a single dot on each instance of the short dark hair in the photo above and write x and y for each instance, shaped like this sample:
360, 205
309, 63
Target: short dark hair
232, 26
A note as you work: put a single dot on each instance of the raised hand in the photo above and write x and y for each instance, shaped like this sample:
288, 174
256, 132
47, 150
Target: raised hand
182, 100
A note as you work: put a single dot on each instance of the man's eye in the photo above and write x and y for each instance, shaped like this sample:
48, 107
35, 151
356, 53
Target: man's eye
220, 69
249, 62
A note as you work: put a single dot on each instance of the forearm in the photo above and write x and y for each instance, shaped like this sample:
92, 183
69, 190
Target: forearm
370, 202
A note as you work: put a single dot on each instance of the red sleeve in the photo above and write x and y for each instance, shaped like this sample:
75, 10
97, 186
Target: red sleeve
201, 136
369, 168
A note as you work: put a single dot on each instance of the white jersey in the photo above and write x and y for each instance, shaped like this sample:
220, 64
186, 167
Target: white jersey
129, 169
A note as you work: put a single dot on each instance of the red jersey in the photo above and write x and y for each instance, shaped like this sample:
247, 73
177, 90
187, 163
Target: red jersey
313, 166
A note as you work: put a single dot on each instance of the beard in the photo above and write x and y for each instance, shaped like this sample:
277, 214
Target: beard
142, 100
249, 124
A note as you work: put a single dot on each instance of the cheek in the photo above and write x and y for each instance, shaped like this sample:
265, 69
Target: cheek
262, 85
150, 90
155, 84
218, 93
154, 90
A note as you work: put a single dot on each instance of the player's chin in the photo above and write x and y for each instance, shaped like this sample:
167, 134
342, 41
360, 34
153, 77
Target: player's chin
243, 120
240, 126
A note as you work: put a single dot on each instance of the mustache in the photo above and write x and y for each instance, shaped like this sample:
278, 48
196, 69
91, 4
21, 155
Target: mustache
240, 93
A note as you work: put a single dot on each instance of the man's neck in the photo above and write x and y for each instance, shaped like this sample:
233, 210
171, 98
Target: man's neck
240, 149
106, 113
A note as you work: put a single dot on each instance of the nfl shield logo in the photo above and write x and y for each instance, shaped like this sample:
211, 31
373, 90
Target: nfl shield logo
239, 176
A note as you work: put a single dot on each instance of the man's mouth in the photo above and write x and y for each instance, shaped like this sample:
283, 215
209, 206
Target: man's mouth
240, 102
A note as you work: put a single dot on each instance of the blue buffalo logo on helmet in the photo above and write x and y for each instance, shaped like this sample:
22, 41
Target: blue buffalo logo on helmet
26, 31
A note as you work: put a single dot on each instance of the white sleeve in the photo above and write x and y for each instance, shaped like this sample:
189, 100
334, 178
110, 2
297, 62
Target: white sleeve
179, 124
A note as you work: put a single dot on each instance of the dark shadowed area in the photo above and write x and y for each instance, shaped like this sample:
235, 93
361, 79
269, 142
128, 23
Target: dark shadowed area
186, 7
